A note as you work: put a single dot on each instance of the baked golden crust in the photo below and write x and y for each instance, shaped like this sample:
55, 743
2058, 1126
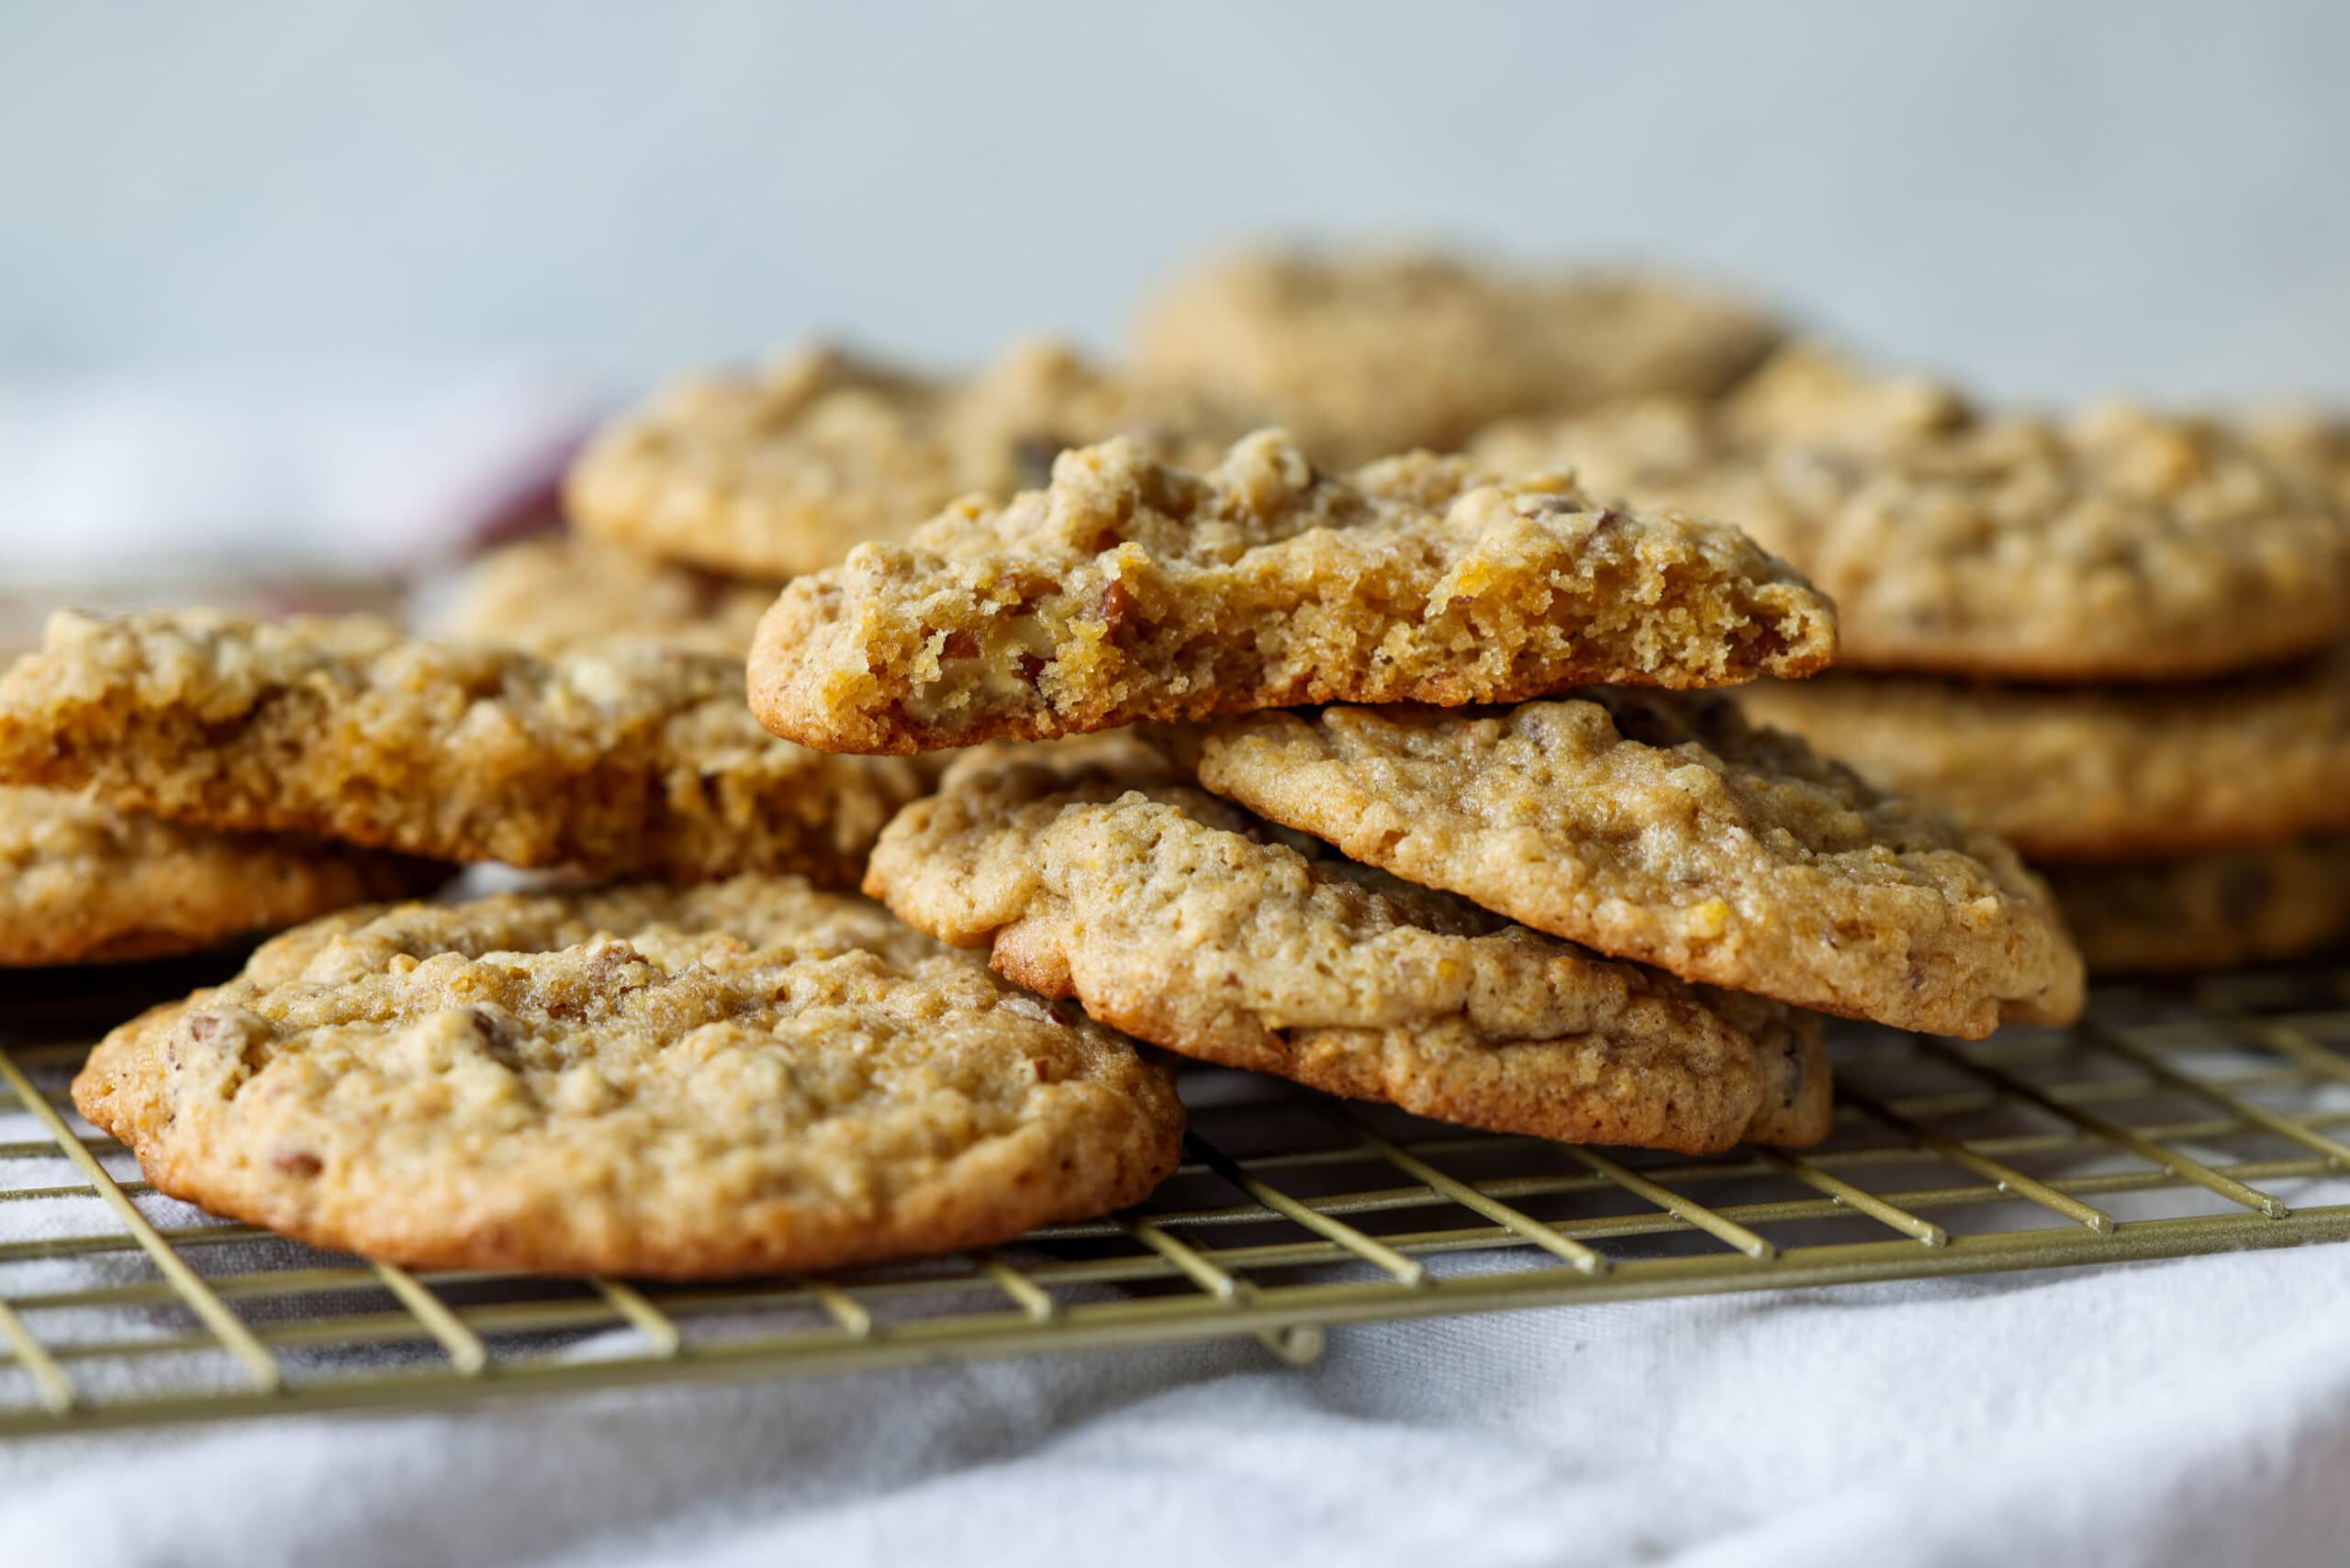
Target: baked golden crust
1095, 870
2087, 772
783, 472
2214, 911
620, 757
2118, 546
1131, 590
739, 1077
549, 594
80, 884
1370, 356
1660, 827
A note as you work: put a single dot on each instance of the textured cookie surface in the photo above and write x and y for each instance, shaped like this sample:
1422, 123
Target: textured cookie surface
1368, 356
618, 756
1132, 591
2213, 911
772, 474
1660, 827
738, 1078
547, 594
2118, 545
2085, 773
1095, 870
81, 884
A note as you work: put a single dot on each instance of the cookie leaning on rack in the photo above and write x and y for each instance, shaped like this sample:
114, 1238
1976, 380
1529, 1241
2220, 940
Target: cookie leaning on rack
617, 756
1097, 869
739, 1077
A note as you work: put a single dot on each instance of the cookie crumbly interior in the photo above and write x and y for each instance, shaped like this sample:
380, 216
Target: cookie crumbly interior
1132, 591
619, 756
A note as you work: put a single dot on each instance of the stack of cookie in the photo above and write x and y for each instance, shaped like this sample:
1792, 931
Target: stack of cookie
1399, 781
1410, 901
2115, 640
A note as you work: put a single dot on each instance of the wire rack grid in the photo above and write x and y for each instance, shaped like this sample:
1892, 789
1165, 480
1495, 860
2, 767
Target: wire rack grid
2174, 1120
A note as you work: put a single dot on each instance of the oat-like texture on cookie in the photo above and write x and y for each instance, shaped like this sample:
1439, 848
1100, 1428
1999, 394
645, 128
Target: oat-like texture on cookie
2073, 773
1369, 355
1132, 591
1661, 826
81, 884
2218, 910
618, 756
2118, 544
737, 1078
1095, 870
784, 471
548, 594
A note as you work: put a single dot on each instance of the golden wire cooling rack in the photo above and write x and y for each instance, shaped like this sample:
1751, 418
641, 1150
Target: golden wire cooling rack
2188, 1119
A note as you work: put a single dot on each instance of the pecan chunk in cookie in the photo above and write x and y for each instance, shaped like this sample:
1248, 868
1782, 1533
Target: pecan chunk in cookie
1131, 590
731, 1079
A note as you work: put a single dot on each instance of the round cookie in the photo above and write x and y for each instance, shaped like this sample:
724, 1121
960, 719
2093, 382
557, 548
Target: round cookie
618, 756
2214, 911
2120, 546
1661, 828
548, 594
734, 1079
1132, 591
2084, 773
80, 884
1095, 870
1369, 355
783, 472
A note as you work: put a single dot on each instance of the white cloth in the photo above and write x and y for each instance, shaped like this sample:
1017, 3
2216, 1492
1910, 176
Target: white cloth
2193, 1413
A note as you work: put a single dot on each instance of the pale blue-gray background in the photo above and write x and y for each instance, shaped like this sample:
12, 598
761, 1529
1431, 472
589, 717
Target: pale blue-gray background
2051, 200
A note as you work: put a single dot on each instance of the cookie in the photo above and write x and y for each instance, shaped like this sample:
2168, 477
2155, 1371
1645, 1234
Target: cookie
2120, 546
740, 1077
2088, 773
1660, 827
2214, 911
1370, 356
783, 472
617, 757
80, 884
1095, 870
2311, 445
1132, 591
547, 594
